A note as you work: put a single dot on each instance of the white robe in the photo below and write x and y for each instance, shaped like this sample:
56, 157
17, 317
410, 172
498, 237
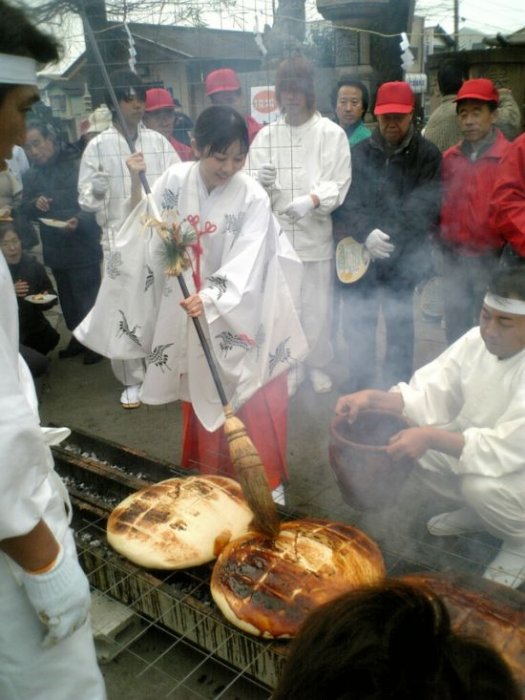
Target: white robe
250, 277
109, 151
468, 390
31, 491
313, 158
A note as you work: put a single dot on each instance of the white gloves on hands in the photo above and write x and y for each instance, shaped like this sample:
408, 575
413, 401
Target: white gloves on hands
100, 183
267, 175
60, 597
377, 244
299, 207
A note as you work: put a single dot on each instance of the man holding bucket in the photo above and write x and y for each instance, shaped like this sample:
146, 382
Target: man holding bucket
467, 408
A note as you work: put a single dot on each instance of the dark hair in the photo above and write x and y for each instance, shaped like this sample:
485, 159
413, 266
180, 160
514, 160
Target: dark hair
348, 80
451, 75
296, 74
509, 282
390, 641
217, 127
493, 106
5, 227
18, 37
124, 83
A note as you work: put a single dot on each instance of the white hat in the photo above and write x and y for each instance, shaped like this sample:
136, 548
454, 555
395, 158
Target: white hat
99, 120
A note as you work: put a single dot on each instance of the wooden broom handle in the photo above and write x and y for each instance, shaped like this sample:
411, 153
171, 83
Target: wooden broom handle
205, 347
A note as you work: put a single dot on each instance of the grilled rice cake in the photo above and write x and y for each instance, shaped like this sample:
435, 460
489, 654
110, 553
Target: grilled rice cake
179, 523
267, 587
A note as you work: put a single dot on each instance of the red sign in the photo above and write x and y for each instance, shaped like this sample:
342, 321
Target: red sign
264, 101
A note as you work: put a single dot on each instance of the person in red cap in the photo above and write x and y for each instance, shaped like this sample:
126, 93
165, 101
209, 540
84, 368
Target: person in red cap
471, 248
224, 88
159, 115
391, 207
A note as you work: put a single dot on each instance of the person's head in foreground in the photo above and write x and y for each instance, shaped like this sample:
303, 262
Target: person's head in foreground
394, 109
220, 143
502, 318
395, 642
23, 47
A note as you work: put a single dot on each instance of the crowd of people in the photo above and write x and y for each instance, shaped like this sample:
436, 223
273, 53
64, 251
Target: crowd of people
151, 224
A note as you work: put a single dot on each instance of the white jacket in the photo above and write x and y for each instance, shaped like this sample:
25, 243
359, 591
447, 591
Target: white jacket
468, 390
313, 158
109, 151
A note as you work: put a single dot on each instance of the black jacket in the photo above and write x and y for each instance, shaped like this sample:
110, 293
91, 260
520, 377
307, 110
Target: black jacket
401, 196
58, 179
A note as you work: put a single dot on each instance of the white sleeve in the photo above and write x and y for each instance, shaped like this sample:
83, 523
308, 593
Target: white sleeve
89, 165
333, 178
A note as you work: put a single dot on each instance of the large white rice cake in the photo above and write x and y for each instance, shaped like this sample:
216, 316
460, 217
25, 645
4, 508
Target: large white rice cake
179, 523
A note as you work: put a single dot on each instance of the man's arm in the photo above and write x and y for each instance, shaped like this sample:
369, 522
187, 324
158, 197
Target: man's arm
33, 551
352, 404
414, 442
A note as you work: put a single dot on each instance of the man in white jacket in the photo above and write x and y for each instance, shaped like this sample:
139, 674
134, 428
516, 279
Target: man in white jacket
469, 409
104, 186
46, 644
303, 161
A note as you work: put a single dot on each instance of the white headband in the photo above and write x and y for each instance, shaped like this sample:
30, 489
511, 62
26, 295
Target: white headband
17, 70
509, 306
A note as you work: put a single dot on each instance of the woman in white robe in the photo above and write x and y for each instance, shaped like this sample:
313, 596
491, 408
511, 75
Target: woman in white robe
243, 279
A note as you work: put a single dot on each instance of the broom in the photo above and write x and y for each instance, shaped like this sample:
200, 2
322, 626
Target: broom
245, 459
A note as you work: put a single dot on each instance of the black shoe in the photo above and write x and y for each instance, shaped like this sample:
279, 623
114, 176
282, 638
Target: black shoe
91, 357
73, 349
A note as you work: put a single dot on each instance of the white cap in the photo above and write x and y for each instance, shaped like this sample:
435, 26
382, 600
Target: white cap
99, 120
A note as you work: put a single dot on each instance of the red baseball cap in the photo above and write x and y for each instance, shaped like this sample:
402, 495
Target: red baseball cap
222, 80
158, 98
394, 98
481, 89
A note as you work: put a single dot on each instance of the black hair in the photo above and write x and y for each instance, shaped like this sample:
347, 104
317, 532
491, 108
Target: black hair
492, 105
450, 76
296, 74
393, 641
509, 282
217, 127
5, 227
350, 81
124, 83
19, 37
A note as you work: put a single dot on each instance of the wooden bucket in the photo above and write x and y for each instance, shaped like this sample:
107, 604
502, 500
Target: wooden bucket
367, 476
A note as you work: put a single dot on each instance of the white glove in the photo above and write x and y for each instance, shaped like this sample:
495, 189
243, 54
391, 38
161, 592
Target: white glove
267, 175
100, 183
299, 207
60, 597
377, 244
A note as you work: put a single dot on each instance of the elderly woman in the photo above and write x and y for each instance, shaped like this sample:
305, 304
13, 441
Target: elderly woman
70, 236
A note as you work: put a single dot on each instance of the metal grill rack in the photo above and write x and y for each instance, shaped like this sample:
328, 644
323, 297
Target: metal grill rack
176, 608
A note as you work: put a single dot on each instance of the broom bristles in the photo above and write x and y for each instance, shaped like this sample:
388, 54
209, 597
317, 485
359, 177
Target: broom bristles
252, 476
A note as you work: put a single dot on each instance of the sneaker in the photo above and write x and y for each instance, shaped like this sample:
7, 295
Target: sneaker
295, 378
508, 568
457, 522
321, 382
130, 397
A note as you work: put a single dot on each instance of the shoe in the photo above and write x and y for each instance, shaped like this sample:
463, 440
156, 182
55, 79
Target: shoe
321, 382
508, 568
457, 522
130, 397
91, 357
73, 349
295, 378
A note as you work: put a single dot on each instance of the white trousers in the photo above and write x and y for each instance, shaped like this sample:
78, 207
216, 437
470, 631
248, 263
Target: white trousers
499, 501
65, 671
316, 311
129, 372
